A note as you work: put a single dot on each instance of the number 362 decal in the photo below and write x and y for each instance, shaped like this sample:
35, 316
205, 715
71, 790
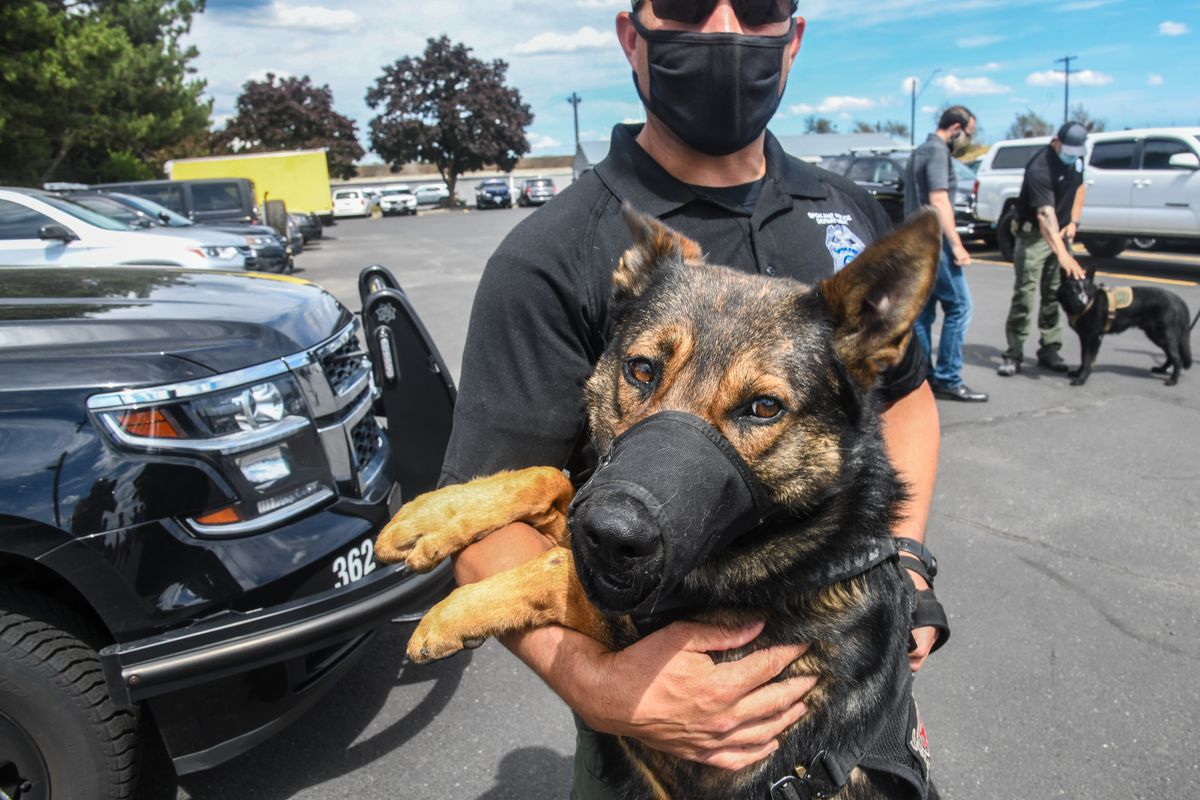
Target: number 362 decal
354, 565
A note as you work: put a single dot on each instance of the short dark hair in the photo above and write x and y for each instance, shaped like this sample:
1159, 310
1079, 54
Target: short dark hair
955, 114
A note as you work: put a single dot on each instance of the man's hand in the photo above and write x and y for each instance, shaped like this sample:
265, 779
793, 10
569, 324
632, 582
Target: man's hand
1069, 233
961, 256
925, 637
1072, 268
667, 692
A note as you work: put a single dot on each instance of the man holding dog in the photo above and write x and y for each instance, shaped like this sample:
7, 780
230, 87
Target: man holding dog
711, 74
1047, 218
931, 181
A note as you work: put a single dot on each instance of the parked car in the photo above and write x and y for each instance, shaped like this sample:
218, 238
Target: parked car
215, 200
397, 200
535, 191
431, 194
294, 235
883, 175
311, 227
194, 476
40, 228
1142, 184
351, 203
493, 193
270, 250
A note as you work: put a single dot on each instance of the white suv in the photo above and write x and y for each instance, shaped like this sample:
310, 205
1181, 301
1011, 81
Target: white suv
38, 228
1141, 184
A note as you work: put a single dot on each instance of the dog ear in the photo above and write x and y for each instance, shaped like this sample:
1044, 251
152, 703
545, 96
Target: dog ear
875, 300
655, 246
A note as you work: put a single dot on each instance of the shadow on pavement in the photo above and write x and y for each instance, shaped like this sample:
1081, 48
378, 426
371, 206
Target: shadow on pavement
531, 773
325, 744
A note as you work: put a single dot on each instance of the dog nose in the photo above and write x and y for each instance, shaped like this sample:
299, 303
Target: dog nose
620, 535
622, 551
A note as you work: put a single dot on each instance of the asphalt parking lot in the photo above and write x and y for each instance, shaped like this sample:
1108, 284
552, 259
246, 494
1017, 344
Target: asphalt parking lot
1066, 524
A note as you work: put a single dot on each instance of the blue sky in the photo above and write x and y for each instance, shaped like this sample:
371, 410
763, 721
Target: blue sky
1138, 60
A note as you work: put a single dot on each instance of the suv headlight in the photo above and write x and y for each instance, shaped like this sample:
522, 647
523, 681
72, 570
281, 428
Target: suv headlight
259, 436
259, 241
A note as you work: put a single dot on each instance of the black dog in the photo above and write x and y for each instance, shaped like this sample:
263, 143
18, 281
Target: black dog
1094, 312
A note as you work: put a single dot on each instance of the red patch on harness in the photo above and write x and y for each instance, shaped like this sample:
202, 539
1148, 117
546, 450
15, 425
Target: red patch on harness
918, 741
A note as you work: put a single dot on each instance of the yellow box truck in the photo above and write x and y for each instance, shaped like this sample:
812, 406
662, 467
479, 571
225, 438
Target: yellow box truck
300, 178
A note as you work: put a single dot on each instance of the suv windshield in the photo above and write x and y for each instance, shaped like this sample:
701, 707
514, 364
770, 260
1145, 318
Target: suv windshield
1015, 157
82, 213
114, 210
158, 212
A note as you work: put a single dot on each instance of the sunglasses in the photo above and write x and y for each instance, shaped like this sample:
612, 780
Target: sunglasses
750, 12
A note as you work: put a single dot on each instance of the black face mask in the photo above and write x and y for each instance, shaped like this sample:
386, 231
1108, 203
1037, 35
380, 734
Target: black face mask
669, 492
715, 91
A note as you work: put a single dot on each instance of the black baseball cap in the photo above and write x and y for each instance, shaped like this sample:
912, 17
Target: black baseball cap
1073, 137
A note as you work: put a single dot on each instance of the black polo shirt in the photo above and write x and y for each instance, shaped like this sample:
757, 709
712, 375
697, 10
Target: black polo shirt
541, 314
1049, 182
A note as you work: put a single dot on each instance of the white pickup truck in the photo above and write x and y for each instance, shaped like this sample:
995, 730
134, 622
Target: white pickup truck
1141, 184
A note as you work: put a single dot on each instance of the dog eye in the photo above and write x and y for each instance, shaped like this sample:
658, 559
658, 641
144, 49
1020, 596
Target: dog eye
640, 370
766, 408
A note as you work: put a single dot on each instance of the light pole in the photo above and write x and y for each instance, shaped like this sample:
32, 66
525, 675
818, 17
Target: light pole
575, 100
1066, 62
912, 131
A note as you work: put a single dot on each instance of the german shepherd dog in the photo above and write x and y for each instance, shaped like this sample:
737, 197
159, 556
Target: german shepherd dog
1161, 314
724, 402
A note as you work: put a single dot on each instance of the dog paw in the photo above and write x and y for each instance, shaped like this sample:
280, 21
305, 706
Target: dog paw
1161, 370
1079, 382
433, 642
1074, 373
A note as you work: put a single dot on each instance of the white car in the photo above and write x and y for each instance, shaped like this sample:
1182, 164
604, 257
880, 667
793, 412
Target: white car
1141, 184
431, 194
352, 203
397, 200
41, 228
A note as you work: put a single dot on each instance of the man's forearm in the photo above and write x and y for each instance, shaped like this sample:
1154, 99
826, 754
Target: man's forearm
912, 435
1048, 223
1077, 207
940, 200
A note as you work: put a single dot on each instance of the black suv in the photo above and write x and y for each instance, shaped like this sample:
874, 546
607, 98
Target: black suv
883, 174
196, 465
202, 201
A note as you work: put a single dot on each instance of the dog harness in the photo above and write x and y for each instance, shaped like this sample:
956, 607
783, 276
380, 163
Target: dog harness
1118, 298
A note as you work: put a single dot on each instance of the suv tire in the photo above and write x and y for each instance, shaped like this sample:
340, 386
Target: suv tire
1106, 246
1006, 240
59, 731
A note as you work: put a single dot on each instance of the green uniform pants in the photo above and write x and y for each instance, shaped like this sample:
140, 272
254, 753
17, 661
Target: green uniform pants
588, 767
1036, 267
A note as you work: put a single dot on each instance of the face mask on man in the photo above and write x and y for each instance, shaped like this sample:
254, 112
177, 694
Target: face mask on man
1067, 160
715, 91
960, 143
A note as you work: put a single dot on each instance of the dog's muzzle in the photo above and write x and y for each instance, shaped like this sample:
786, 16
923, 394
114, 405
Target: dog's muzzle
670, 491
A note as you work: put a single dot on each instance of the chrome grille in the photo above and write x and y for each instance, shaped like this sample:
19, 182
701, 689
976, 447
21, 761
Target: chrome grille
367, 437
344, 365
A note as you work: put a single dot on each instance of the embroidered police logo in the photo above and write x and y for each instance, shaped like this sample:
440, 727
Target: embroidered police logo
844, 245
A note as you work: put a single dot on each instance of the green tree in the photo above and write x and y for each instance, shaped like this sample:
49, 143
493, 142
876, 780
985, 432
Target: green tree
1027, 125
891, 128
293, 114
815, 124
1080, 114
95, 89
448, 109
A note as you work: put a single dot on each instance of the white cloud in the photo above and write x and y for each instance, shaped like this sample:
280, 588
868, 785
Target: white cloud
1084, 77
970, 42
311, 18
539, 142
835, 105
970, 86
1170, 28
586, 38
929, 109
1155, 80
908, 83
621, 4
991, 66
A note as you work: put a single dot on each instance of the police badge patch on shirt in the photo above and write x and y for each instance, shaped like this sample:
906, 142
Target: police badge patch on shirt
844, 245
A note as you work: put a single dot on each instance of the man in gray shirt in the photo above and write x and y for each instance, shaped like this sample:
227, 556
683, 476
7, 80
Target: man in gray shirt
931, 181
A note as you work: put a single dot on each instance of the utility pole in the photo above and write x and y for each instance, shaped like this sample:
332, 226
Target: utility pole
1066, 62
575, 100
912, 130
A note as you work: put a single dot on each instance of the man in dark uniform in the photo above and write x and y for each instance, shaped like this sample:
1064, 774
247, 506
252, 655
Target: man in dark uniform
1047, 218
711, 75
